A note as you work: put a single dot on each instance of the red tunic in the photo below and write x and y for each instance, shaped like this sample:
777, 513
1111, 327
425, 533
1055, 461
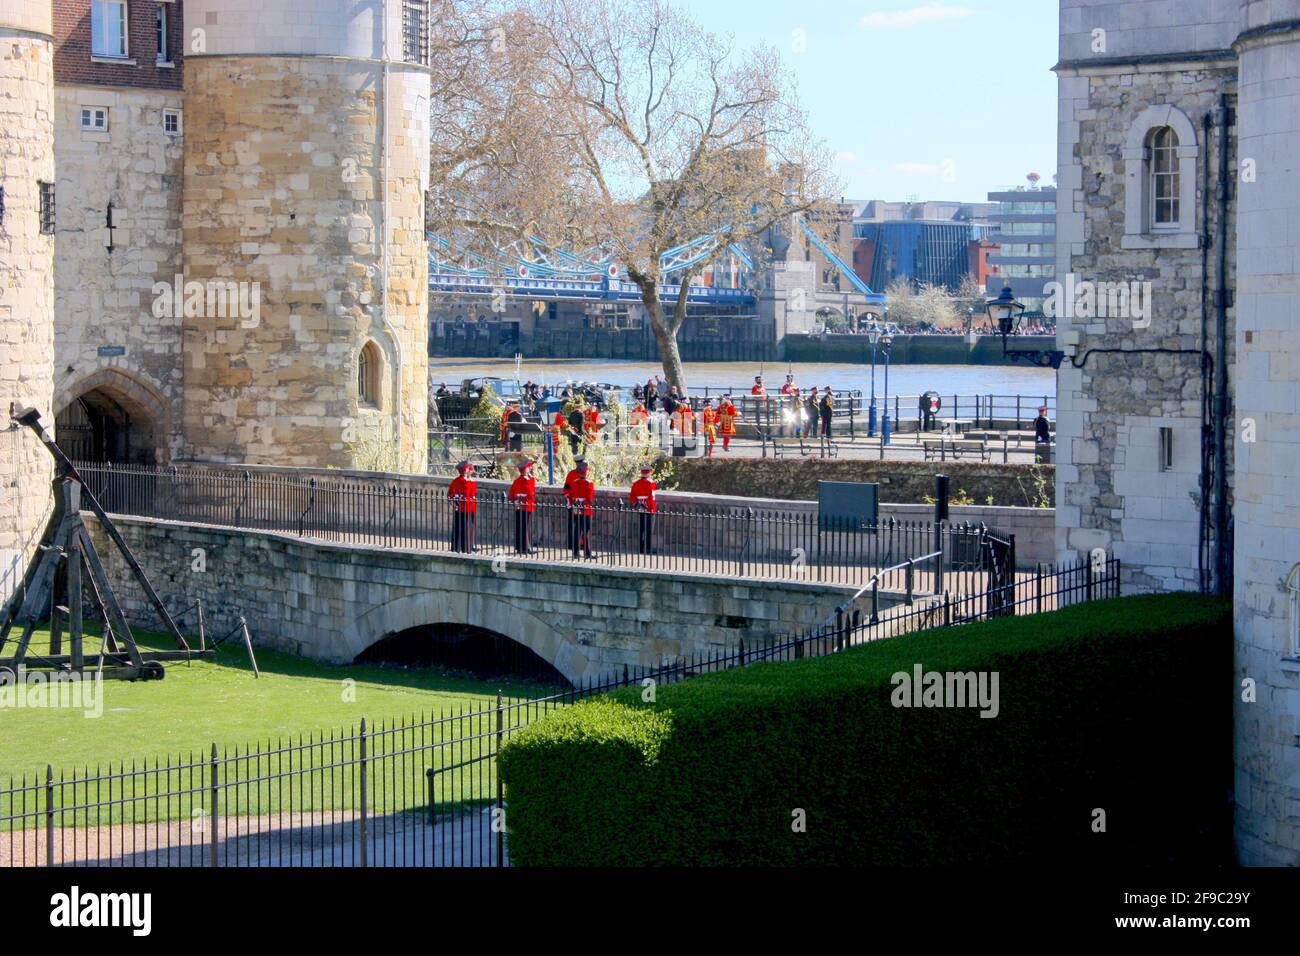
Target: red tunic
524, 492
464, 494
581, 493
758, 390
643, 493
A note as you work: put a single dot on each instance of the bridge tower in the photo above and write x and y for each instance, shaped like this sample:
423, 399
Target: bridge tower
306, 166
1267, 377
26, 274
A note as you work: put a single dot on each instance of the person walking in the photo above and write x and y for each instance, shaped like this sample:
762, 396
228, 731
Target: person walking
582, 495
727, 416
642, 497
710, 421
523, 495
463, 495
827, 409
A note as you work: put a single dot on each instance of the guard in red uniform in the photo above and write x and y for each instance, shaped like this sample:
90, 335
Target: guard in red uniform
727, 416
642, 497
581, 494
569, 479
523, 495
463, 495
758, 388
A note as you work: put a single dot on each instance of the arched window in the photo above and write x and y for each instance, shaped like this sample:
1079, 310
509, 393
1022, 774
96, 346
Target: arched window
1163, 174
369, 366
1160, 156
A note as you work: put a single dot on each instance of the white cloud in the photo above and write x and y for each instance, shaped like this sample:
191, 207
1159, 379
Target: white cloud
846, 158
902, 19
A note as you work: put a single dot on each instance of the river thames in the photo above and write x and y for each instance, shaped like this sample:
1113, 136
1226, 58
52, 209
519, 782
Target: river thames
1036, 383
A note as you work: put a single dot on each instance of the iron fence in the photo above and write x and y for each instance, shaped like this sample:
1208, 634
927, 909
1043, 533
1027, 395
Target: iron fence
732, 542
418, 792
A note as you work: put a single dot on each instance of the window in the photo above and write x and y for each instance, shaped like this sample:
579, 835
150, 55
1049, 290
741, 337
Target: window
172, 122
94, 119
1160, 160
1166, 449
1162, 166
47, 208
415, 31
162, 17
108, 28
368, 370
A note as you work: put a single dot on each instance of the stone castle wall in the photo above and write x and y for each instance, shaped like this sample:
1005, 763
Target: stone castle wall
106, 300
1267, 506
1111, 490
282, 188
26, 278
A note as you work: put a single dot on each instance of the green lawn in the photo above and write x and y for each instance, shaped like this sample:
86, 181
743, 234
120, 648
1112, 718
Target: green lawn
220, 701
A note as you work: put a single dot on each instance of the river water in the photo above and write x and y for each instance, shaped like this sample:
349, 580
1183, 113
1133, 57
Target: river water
1033, 383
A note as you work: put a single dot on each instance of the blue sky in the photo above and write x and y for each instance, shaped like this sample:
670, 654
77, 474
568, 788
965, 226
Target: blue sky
910, 93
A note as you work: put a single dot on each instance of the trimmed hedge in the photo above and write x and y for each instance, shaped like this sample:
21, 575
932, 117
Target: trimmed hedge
1122, 706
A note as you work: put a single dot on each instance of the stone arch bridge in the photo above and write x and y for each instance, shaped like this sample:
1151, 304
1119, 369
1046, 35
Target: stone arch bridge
330, 602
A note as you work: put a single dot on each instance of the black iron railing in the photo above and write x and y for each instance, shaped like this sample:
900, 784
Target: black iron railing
418, 792
728, 542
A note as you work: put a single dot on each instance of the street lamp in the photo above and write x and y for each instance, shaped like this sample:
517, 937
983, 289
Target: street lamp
1005, 313
886, 343
873, 336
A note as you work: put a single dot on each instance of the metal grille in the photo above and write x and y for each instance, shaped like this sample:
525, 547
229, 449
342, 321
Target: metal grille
415, 31
47, 209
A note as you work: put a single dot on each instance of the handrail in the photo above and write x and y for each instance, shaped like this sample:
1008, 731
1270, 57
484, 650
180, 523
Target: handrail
875, 580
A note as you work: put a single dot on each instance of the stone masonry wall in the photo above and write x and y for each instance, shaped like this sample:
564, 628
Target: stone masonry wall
106, 300
26, 280
1111, 492
902, 482
282, 173
331, 602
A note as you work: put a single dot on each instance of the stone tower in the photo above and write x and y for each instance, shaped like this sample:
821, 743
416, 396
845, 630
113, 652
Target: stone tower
306, 270
26, 274
1267, 538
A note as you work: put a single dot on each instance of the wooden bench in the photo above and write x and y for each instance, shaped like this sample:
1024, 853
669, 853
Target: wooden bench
803, 446
943, 449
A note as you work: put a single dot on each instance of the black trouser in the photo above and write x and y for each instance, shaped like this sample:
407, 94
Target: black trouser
523, 531
582, 534
462, 532
575, 442
645, 542
826, 426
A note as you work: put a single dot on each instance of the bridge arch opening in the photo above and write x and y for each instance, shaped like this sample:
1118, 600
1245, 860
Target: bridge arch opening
463, 648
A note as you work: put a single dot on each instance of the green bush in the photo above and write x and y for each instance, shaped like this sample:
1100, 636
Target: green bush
1121, 706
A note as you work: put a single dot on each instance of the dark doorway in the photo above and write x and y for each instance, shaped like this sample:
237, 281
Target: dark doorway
463, 649
98, 428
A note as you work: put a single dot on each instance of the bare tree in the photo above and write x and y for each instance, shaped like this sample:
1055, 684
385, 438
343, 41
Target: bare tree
665, 134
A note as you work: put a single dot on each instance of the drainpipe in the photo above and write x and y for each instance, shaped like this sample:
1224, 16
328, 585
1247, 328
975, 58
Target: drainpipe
1222, 298
383, 230
1204, 555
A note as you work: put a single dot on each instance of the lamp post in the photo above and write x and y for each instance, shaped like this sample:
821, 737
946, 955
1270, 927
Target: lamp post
1005, 313
873, 336
886, 343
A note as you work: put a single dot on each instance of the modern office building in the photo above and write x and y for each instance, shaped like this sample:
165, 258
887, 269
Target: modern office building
1024, 230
